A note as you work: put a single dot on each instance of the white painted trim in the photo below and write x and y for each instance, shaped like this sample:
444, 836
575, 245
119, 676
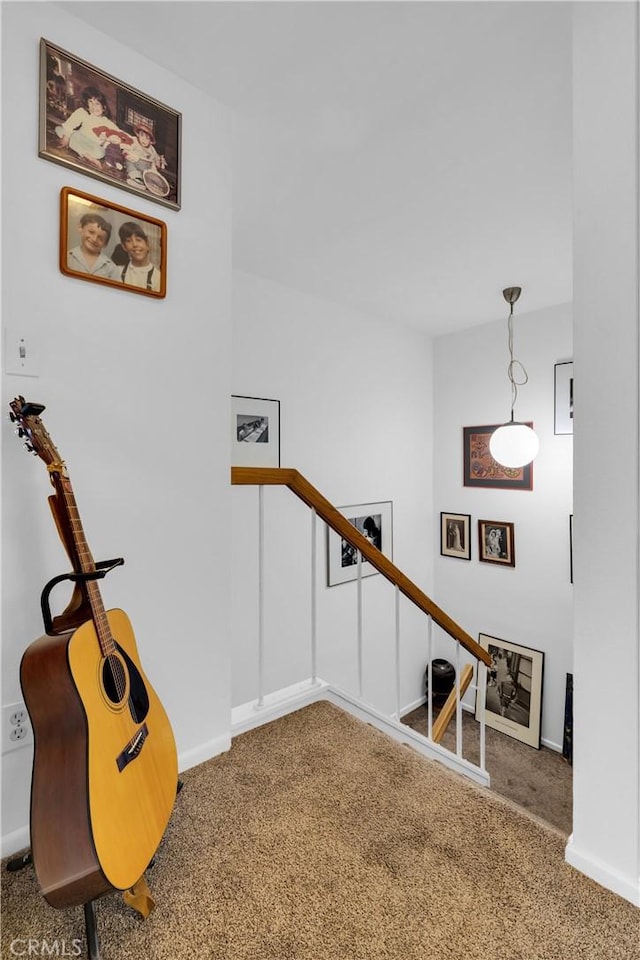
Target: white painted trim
626, 887
15, 841
253, 714
203, 752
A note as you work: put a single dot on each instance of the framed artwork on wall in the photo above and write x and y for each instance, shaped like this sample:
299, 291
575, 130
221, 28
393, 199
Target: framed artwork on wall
496, 542
102, 127
255, 432
481, 470
375, 522
563, 384
513, 699
455, 539
105, 243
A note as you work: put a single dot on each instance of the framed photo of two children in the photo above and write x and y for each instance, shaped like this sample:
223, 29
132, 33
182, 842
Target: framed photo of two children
105, 243
102, 127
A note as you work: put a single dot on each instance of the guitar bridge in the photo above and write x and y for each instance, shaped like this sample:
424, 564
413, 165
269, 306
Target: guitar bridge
133, 748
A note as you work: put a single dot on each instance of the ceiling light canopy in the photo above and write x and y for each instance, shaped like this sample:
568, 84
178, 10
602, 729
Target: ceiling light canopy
514, 444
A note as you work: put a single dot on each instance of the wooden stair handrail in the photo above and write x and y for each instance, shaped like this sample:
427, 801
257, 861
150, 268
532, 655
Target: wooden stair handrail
259, 476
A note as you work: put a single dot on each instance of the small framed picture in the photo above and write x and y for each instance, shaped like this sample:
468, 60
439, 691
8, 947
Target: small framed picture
374, 521
513, 701
481, 470
255, 432
455, 540
563, 380
496, 542
105, 243
102, 127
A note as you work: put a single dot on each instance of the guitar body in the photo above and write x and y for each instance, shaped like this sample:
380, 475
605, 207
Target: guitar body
105, 766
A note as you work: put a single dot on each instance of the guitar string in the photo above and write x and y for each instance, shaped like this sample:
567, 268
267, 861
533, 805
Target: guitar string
87, 564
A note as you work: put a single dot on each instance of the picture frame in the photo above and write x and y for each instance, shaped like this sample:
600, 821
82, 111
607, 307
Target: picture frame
455, 535
513, 697
496, 542
481, 470
106, 243
374, 521
135, 144
563, 397
255, 432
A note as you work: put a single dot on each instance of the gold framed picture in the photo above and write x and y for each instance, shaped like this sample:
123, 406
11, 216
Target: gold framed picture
105, 243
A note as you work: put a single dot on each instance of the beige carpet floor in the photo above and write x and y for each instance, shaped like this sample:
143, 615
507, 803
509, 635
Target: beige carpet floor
541, 780
318, 838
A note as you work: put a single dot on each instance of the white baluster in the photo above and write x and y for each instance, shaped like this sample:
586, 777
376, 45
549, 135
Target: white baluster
260, 595
458, 704
314, 653
429, 677
397, 653
481, 692
360, 667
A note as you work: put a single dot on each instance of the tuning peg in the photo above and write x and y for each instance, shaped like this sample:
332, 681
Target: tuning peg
20, 432
29, 447
12, 417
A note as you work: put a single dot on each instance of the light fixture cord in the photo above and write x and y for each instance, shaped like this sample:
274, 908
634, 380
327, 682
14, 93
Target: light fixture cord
512, 366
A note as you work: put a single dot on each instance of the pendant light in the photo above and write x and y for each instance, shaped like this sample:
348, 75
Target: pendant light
514, 444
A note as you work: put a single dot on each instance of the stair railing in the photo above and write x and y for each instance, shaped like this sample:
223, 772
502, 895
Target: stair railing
323, 508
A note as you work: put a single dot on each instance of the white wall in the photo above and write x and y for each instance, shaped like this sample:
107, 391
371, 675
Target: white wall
356, 418
136, 391
529, 604
606, 827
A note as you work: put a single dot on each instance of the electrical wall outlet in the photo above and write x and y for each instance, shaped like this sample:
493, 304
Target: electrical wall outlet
16, 728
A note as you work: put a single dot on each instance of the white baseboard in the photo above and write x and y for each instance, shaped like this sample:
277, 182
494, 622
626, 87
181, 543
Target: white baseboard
203, 752
626, 887
252, 714
15, 842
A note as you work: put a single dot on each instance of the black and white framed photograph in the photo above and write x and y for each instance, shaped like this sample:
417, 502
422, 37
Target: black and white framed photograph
496, 542
455, 538
563, 379
106, 129
375, 522
513, 702
255, 432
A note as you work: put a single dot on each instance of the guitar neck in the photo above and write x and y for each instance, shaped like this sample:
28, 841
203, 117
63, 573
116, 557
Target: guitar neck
85, 562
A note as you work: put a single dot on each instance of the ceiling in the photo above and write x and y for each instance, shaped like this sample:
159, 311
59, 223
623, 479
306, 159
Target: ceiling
408, 159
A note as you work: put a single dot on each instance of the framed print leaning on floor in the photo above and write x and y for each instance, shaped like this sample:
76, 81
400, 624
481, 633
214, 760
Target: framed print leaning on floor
106, 129
374, 521
513, 699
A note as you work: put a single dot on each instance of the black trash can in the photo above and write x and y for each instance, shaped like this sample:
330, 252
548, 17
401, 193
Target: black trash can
443, 676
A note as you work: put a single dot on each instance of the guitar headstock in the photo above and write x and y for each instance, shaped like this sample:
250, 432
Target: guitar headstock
32, 430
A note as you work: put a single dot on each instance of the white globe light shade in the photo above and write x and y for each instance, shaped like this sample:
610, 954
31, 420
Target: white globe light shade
514, 444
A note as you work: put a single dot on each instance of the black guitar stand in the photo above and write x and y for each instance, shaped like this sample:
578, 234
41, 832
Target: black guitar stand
101, 570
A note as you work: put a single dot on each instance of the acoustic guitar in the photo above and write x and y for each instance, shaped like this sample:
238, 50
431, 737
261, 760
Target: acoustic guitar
105, 766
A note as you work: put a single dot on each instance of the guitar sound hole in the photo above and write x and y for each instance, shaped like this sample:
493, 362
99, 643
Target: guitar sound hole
114, 678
